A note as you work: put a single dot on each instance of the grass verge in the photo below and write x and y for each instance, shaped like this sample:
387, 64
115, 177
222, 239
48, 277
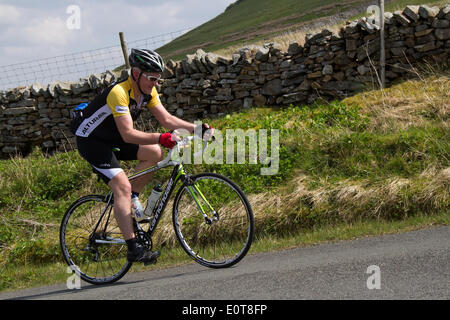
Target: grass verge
26, 276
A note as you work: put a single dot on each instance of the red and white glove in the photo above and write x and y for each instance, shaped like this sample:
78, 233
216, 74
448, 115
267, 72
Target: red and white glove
167, 140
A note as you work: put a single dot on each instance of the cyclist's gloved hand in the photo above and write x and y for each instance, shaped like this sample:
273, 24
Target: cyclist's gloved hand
168, 140
206, 131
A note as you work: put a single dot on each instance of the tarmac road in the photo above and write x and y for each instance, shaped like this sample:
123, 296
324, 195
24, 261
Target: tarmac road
412, 265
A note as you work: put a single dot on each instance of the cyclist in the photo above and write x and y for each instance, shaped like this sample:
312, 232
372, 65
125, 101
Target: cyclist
107, 124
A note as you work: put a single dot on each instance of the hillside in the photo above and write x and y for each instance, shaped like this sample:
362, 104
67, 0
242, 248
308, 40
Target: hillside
251, 21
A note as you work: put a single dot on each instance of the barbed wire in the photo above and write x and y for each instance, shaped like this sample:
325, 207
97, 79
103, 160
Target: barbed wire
74, 66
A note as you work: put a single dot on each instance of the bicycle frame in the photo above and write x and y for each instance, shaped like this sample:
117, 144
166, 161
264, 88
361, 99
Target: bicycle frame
177, 174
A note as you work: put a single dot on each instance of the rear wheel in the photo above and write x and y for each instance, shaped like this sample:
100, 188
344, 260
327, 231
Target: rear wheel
91, 241
224, 236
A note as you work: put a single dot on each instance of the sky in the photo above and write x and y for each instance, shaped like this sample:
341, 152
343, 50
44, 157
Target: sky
31, 30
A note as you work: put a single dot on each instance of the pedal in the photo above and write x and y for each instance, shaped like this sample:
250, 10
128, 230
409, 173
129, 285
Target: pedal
153, 261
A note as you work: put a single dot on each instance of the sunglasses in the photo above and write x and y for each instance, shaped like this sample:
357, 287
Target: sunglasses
151, 78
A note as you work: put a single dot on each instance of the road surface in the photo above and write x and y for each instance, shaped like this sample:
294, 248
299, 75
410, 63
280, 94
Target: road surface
412, 265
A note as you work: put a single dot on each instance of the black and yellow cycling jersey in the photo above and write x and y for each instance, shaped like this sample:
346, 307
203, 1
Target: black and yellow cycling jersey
115, 101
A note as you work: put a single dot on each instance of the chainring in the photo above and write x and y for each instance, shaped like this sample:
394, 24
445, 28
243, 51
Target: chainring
144, 239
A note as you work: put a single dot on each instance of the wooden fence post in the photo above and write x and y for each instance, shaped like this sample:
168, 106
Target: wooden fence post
382, 45
124, 50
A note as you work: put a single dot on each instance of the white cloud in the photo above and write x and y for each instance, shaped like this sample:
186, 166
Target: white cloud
164, 15
27, 23
34, 33
9, 14
33, 27
47, 31
31, 30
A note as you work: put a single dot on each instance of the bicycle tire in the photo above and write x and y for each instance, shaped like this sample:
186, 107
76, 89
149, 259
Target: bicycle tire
94, 263
220, 244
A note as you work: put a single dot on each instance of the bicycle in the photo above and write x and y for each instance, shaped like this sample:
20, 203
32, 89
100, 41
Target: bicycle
211, 216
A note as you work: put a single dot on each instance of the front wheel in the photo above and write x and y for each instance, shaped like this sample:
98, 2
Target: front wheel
213, 220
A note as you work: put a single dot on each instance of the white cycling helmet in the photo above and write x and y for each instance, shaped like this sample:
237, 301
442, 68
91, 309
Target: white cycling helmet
146, 60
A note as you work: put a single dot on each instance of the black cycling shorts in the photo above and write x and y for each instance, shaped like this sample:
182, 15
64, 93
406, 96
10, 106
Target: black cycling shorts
103, 159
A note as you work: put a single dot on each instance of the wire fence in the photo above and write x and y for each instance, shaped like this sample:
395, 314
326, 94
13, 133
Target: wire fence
72, 67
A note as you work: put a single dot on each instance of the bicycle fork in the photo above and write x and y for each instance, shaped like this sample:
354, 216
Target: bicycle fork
195, 193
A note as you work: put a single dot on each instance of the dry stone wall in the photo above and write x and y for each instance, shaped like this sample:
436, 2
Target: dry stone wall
329, 66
